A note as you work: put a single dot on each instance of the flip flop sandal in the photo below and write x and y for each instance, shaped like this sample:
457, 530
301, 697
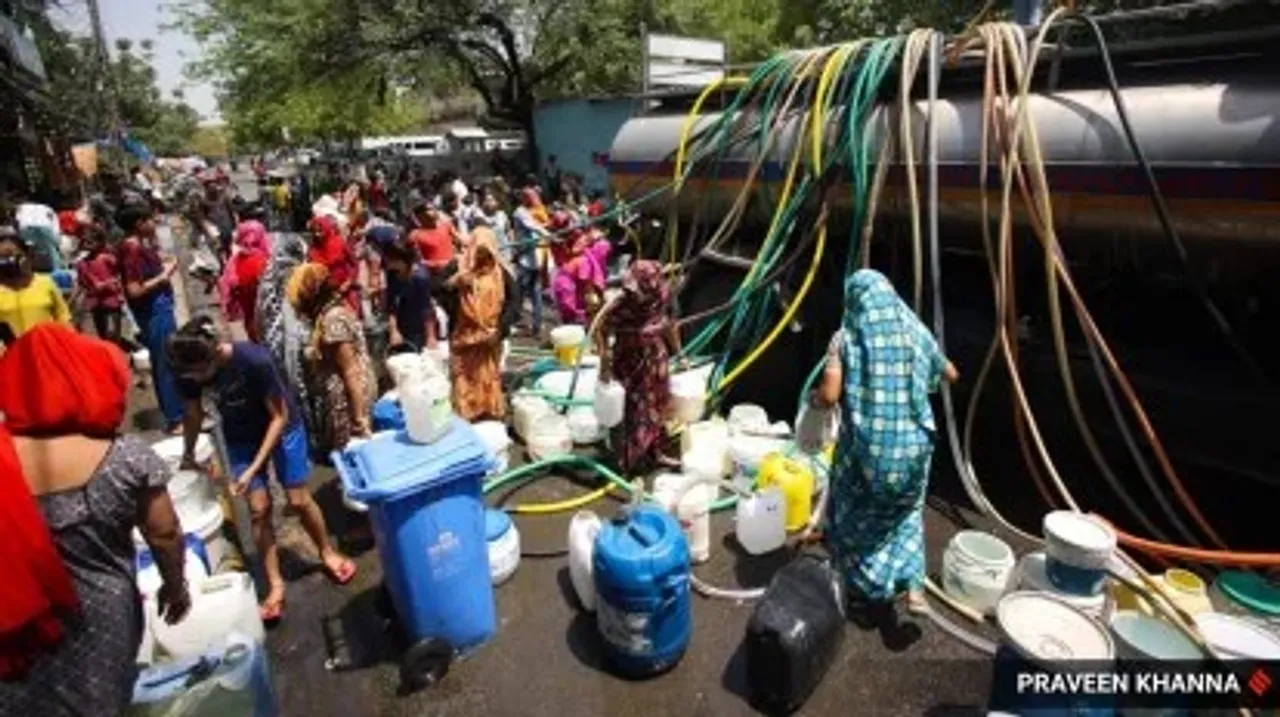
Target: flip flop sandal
343, 575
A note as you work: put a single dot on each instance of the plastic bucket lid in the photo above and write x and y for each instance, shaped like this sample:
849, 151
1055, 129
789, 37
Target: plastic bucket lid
1250, 590
1044, 628
1152, 638
1234, 638
496, 524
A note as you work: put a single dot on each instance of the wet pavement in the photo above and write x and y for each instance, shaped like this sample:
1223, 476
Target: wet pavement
546, 657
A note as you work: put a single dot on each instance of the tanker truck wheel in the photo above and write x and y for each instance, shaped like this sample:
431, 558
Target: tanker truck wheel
425, 663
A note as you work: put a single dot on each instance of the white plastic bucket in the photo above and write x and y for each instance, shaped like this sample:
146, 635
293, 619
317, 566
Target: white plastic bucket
170, 451
208, 525
584, 428
583, 530
219, 605
428, 409
704, 448
1237, 638
527, 409
557, 384
494, 435
977, 568
1142, 637
761, 521
610, 403
504, 546
141, 360
688, 396
149, 580
1078, 540
549, 437
748, 417
1044, 629
1031, 576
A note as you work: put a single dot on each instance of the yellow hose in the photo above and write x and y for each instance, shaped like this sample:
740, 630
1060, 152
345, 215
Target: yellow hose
817, 125
561, 506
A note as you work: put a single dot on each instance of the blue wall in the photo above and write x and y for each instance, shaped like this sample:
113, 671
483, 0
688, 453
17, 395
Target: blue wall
580, 134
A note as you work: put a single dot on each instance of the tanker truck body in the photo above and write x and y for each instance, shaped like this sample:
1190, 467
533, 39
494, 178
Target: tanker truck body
1208, 120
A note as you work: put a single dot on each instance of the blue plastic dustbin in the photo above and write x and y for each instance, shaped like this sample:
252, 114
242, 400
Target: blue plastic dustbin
427, 512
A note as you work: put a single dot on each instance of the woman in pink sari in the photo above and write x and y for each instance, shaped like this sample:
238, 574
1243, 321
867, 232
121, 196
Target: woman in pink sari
238, 287
580, 281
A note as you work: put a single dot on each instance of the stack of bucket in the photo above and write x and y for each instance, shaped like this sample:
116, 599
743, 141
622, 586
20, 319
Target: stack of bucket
1073, 566
194, 498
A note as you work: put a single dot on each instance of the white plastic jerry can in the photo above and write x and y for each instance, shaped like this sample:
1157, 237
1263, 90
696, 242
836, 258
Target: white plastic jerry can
761, 525
428, 409
610, 402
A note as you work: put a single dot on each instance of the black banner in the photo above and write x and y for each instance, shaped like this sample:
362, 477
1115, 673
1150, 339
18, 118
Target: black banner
1019, 685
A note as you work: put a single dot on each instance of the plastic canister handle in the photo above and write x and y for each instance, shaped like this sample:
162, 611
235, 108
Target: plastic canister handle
643, 534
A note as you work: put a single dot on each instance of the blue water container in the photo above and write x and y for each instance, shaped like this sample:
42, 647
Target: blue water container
641, 573
427, 513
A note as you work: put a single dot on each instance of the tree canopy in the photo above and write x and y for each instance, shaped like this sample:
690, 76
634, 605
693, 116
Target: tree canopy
77, 90
339, 69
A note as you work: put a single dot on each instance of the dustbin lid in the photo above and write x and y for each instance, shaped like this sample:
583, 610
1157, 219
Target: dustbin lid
496, 524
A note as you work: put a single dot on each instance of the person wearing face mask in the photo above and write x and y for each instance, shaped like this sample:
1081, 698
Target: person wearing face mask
26, 298
262, 425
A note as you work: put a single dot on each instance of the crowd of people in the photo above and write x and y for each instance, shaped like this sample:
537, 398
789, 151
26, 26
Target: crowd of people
424, 263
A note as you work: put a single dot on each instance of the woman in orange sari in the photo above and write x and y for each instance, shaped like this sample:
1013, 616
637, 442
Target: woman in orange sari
475, 348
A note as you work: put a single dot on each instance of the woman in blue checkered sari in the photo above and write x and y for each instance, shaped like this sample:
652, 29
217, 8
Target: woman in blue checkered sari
881, 367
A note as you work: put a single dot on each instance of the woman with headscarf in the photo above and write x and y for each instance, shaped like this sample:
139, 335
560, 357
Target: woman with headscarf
282, 332
329, 248
645, 337
475, 347
338, 366
580, 276
71, 491
238, 287
262, 427
881, 367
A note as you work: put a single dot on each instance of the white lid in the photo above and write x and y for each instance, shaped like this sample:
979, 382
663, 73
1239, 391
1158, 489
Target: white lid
1080, 530
1235, 638
1044, 627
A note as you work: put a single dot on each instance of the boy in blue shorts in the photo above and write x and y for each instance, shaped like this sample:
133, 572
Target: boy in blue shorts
261, 424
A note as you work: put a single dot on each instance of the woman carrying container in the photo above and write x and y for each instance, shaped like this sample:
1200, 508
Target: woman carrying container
475, 348
71, 491
644, 340
881, 367
261, 425
339, 371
